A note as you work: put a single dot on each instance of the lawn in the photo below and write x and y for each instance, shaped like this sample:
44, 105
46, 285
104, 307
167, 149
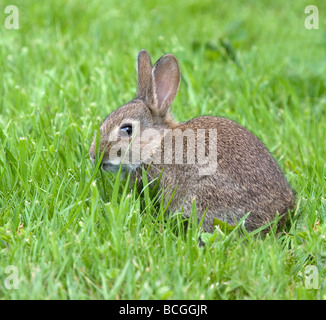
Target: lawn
70, 231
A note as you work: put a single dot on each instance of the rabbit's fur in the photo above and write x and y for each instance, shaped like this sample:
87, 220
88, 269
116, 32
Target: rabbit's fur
244, 176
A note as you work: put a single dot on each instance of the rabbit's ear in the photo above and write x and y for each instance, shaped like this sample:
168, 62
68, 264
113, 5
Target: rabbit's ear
165, 82
144, 73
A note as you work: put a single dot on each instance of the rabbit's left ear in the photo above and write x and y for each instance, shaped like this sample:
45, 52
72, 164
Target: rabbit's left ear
144, 74
165, 82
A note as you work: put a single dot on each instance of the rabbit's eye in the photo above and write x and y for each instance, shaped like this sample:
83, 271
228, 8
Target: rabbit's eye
126, 130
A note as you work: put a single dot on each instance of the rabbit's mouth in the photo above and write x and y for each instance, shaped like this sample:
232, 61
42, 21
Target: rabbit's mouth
108, 166
112, 167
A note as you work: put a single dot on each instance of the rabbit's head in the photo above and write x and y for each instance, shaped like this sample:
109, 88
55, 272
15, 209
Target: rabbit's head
131, 134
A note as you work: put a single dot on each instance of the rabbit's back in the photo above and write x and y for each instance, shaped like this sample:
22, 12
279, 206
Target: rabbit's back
246, 177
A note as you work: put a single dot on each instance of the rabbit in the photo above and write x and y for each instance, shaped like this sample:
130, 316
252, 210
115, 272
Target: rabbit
241, 177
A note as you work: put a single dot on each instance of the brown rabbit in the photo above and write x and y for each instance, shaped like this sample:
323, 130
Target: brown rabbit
214, 160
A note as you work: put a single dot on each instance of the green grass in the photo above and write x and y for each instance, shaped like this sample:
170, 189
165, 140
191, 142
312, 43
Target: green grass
76, 233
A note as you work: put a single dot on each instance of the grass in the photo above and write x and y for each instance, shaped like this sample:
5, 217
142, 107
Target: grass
76, 233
